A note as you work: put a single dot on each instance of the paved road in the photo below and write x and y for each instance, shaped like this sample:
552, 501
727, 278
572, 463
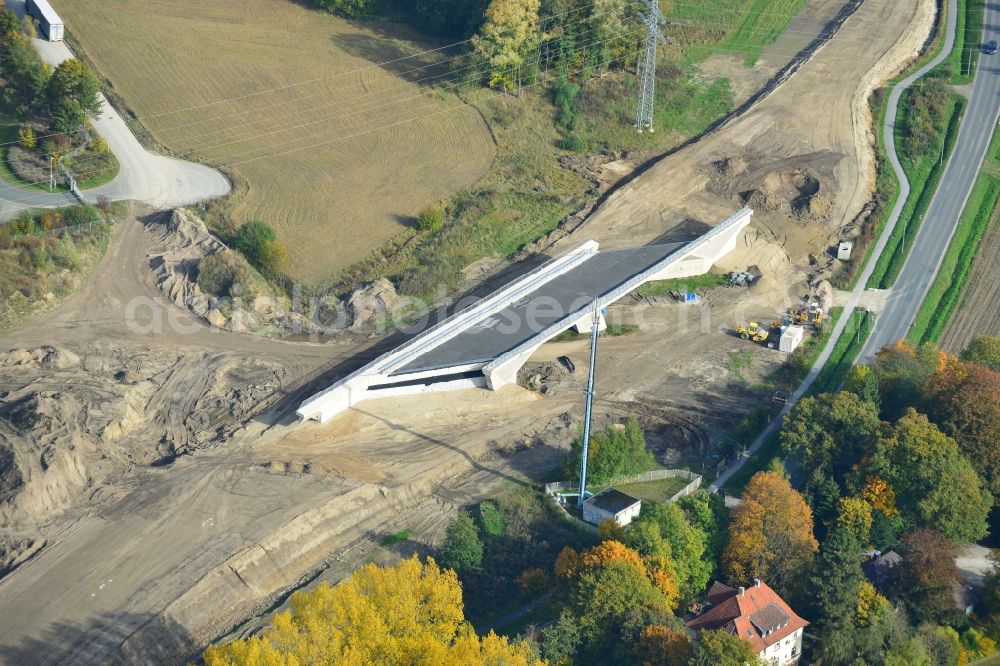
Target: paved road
160, 181
856, 294
942, 216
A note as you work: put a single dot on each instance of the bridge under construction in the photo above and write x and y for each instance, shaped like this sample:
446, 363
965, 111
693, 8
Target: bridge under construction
485, 344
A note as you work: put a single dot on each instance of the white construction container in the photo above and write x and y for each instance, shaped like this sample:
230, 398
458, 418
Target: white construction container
50, 23
791, 337
844, 250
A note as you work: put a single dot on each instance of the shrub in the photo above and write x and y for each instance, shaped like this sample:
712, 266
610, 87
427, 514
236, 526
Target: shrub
26, 135
219, 273
75, 215
252, 238
571, 142
65, 254
430, 219
491, 519
564, 94
273, 257
98, 145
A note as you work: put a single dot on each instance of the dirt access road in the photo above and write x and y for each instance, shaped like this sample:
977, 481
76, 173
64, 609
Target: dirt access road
159, 181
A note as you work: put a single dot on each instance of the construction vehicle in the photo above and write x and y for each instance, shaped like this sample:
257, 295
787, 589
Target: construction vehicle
753, 331
811, 314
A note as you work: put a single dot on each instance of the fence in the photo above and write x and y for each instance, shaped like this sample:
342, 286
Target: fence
655, 475
59, 231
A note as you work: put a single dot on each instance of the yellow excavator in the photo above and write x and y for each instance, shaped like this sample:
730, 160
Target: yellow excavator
813, 314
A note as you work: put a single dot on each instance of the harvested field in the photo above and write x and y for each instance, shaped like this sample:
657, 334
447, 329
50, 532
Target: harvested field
978, 313
299, 126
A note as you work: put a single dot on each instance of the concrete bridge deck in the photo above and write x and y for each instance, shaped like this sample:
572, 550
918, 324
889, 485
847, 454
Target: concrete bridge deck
485, 344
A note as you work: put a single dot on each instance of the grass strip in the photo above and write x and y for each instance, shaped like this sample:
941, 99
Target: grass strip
924, 177
763, 23
945, 291
697, 283
395, 537
943, 296
760, 459
848, 346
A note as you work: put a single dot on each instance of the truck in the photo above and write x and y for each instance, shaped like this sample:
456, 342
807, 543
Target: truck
49, 22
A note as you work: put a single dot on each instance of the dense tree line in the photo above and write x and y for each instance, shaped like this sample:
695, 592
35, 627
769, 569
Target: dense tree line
64, 97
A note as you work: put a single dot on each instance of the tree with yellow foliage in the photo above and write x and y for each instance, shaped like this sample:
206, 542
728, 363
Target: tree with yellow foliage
506, 39
770, 536
407, 614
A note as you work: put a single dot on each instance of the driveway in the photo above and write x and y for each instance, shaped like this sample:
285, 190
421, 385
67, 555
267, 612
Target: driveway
162, 182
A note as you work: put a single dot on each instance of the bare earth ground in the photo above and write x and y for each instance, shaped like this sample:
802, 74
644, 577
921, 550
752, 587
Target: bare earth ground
801, 157
171, 557
978, 313
316, 169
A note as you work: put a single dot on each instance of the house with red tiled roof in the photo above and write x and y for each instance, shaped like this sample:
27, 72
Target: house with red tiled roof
757, 615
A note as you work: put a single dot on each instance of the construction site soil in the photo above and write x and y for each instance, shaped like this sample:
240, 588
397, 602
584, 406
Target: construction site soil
129, 552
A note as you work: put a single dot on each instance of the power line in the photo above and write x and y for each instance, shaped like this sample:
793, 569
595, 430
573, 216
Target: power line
755, 51
284, 103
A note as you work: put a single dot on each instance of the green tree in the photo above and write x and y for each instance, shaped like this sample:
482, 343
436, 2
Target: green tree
984, 350
676, 538
455, 18
934, 485
350, 8
607, 584
560, 640
837, 585
902, 371
251, 240
720, 648
862, 381
506, 39
462, 548
707, 511
828, 434
9, 25
614, 451
73, 89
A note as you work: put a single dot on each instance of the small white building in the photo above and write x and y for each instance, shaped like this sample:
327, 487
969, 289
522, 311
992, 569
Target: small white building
791, 337
611, 503
844, 250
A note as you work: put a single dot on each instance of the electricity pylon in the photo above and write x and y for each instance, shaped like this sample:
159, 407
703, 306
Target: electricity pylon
647, 69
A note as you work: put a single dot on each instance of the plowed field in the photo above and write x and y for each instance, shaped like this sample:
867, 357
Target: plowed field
979, 311
338, 152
